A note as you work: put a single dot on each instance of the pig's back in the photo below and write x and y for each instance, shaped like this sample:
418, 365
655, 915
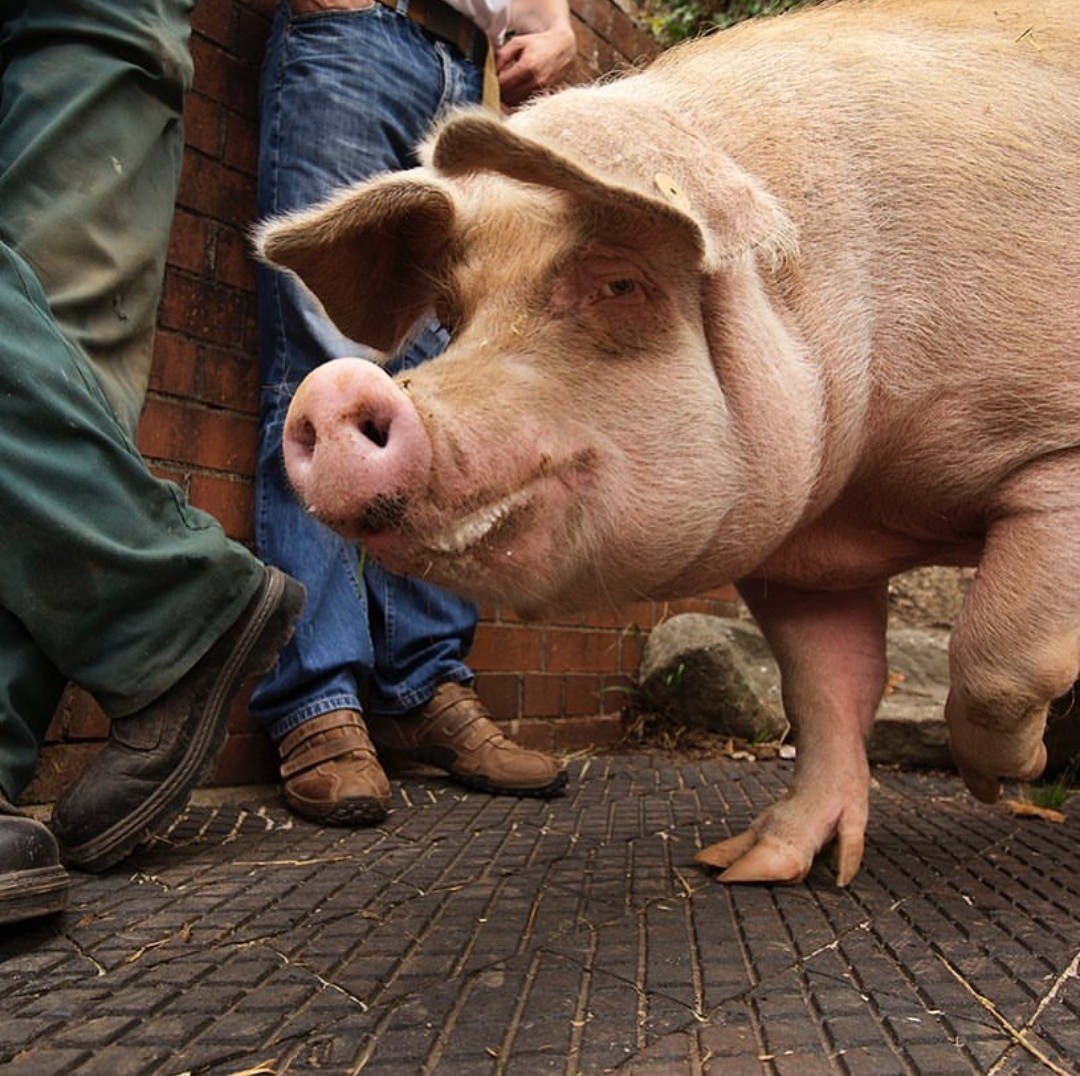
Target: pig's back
928, 151
927, 154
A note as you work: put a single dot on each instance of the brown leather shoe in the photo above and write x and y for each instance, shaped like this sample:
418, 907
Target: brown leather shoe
454, 732
331, 773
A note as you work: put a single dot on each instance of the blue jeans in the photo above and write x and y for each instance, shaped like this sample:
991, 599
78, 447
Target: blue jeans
344, 95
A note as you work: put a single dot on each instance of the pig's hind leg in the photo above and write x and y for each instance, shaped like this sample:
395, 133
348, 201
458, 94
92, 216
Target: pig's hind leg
1016, 644
830, 648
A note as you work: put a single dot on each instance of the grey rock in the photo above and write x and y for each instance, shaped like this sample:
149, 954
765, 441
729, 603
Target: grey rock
910, 728
714, 673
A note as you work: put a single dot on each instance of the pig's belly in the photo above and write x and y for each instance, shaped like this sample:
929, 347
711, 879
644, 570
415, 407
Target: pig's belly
844, 558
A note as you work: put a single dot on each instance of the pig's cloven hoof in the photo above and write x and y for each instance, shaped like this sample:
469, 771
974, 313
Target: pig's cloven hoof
755, 857
742, 860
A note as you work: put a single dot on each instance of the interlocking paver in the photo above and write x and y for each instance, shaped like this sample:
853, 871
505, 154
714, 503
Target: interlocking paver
480, 934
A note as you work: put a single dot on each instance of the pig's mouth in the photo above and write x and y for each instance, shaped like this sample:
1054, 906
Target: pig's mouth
468, 531
506, 517
457, 545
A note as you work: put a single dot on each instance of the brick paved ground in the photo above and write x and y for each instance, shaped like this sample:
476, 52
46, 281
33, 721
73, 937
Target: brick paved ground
478, 935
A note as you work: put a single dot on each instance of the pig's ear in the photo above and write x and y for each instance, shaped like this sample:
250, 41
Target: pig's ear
364, 254
637, 161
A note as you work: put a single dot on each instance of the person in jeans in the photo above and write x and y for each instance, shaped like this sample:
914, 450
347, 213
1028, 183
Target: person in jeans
111, 580
349, 88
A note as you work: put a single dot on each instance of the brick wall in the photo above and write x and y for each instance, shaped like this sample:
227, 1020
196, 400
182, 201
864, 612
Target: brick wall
559, 684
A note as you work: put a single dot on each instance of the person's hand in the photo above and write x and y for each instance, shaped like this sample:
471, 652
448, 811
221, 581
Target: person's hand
528, 63
538, 53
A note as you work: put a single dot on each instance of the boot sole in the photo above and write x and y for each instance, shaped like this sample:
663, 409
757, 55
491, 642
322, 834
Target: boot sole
32, 894
355, 813
442, 758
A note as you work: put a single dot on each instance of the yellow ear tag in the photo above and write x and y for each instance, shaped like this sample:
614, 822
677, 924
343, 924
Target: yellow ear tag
670, 190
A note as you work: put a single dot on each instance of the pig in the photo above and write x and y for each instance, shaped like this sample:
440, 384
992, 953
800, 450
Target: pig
796, 307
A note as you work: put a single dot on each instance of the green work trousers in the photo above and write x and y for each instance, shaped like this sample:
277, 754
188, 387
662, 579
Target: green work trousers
108, 578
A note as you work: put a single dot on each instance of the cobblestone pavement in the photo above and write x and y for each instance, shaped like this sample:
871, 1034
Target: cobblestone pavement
474, 934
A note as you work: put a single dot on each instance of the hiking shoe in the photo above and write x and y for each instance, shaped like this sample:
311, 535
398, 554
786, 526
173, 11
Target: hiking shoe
140, 781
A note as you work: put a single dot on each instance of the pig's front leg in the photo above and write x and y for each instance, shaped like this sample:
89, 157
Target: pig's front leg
1016, 644
830, 648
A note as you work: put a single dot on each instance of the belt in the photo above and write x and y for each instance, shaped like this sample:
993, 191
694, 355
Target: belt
447, 24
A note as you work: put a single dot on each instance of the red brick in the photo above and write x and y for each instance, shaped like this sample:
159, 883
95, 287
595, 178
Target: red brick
173, 369
583, 694
248, 758
233, 263
588, 733
500, 693
542, 694
253, 28
228, 500
172, 430
213, 21
209, 188
241, 143
203, 309
202, 124
572, 650
617, 692
506, 649
228, 377
189, 243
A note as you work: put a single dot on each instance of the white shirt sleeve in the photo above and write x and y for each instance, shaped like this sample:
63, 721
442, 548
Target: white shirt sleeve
492, 16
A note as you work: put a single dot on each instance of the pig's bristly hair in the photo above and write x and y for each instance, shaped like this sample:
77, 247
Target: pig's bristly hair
722, 212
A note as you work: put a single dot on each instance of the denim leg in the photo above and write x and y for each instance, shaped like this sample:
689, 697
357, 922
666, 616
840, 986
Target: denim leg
344, 95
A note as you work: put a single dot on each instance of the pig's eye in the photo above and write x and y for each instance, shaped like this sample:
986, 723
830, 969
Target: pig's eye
618, 288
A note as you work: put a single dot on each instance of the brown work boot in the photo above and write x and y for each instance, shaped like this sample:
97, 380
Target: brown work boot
454, 732
331, 773
138, 784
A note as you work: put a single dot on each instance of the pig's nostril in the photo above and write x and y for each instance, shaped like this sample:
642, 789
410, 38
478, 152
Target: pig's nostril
376, 434
304, 436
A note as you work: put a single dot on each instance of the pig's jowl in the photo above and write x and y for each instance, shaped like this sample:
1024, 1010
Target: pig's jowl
798, 307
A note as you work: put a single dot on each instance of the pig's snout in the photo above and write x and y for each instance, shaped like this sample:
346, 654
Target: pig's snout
355, 449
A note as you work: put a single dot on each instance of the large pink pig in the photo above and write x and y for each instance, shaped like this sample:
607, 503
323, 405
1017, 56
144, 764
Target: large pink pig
797, 307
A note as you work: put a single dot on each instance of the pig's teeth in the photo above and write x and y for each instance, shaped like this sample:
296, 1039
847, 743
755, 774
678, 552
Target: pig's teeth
466, 532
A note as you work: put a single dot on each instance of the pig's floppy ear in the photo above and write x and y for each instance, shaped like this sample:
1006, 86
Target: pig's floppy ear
640, 162
364, 254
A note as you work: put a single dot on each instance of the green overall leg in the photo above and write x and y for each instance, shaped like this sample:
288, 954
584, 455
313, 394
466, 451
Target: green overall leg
110, 579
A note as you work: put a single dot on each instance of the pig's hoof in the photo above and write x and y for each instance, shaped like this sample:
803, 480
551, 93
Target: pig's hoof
744, 859
750, 858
